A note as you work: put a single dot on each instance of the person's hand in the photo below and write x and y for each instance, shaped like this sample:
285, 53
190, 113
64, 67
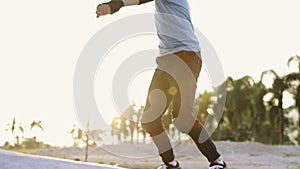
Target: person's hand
103, 9
110, 7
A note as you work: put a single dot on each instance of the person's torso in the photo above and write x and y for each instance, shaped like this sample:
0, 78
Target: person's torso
174, 26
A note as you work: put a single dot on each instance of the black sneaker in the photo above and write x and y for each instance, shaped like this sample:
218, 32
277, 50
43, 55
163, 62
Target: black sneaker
169, 166
218, 165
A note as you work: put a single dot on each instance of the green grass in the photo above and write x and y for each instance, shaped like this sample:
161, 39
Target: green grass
101, 161
298, 167
112, 163
289, 155
23, 150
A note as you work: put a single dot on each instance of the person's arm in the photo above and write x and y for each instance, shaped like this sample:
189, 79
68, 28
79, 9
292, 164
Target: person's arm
114, 5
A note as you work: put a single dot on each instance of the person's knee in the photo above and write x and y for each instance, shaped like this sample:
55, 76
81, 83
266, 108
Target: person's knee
188, 128
185, 123
183, 127
153, 128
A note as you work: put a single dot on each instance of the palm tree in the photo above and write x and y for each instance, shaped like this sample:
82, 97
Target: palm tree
12, 128
297, 98
129, 121
278, 87
295, 77
204, 102
87, 139
239, 106
139, 129
258, 109
13, 125
76, 134
289, 83
36, 124
116, 129
21, 129
294, 58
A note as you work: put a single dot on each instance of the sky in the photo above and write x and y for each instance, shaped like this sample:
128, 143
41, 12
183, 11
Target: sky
41, 42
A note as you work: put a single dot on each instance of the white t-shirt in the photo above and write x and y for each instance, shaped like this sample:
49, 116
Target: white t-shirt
174, 27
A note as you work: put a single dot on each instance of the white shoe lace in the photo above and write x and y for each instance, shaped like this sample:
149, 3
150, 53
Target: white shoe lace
163, 167
218, 166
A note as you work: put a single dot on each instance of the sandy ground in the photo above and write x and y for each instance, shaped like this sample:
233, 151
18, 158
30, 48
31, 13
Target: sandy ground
11, 160
241, 155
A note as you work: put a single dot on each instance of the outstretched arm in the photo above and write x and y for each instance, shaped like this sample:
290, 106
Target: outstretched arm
115, 5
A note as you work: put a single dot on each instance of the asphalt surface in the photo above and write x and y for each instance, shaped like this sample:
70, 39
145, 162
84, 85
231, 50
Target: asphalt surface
12, 160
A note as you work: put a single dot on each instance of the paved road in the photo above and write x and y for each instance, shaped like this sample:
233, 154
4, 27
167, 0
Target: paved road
11, 160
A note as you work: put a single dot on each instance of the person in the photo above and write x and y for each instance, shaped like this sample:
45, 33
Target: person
174, 80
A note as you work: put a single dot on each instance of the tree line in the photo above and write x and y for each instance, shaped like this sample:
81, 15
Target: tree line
253, 111
20, 141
